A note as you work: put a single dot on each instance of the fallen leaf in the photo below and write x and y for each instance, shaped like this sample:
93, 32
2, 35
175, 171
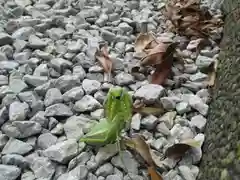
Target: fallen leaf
212, 74
154, 174
155, 55
142, 41
149, 110
176, 151
140, 146
189, 19
103, 57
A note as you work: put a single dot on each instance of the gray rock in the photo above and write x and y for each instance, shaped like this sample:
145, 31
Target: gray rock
23, 33
28, 175
97, 114
5, 39
149, 93
169, 103
73, 94
84, 60
27, 128
59, 64
105, 153
57, 33
41, 70
196, 152
42, 89
42, 168
58, 110
62, 152
35, 42
3, 57
8, 172
168, 119
3, 115
92, 177
133, 176
40, 118
33, 100
79, 71
204, 61
108, 36
19, 45
190, 68
17, 85
7, 100
159, 143
113, 177
3, 80
76, 47
8, 65
204, 95
24, 3
198, 77
75, 126
35, 80
162, 128
18, 111
87, 103
128, 163
186, 173
67, 82
90, 86
15, 146
81, 159
183, 107
199, 122
53, 96
46, 140
196, 103
60, 169
58, 130
3, 140
78, 173
104, 170
149, 122
16, 160
124, 79
125, 28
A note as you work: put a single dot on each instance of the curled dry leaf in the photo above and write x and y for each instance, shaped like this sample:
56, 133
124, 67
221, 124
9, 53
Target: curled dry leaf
189, 19
138, 144
154, 174
106, 62
176, 151
142, 41
140, 107
212, 74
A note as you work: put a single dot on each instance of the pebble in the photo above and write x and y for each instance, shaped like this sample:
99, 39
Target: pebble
62, 152
149, 93
9, 172
199, 122
15, 146
87, 103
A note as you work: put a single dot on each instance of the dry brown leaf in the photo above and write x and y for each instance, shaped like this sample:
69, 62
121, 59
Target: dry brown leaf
154, 174
155, 55
149, 110
140, 146
189, 19
142, 41
212, 74
106, 62
176, 151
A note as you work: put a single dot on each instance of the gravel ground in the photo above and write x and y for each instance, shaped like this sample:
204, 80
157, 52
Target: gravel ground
52, 90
